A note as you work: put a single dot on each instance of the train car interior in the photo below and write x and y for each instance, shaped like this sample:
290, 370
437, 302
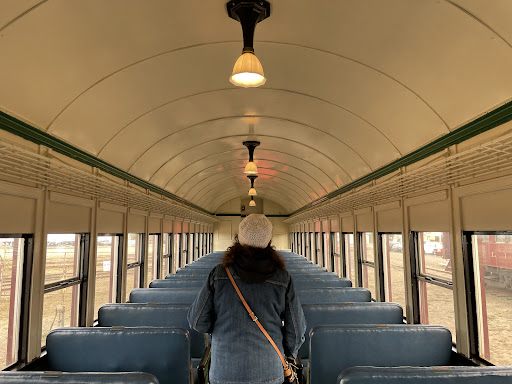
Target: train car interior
376, 136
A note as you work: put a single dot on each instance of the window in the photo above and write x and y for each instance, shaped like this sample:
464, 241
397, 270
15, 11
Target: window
492, 272
184, 249
367, 259
108, 251
134, 257
393, 263
433, 263
153, 251
166, 254
177, 251
336, 264
326, 242
318, 247
311, 247
15, 252
348, 257
66, 261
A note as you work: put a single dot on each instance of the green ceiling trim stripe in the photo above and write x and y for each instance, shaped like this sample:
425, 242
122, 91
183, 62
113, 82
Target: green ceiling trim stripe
26, 131
492, 119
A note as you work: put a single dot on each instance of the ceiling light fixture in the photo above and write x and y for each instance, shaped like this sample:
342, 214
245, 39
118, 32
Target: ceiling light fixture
251, 168
248, 71
252, 203
252, 191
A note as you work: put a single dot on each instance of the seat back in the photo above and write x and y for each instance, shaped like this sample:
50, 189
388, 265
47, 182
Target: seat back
348, 313
22, 377
333, 295
335, 348
163, 352
164, 295
321, 283
177, 283
153, 315
426, 375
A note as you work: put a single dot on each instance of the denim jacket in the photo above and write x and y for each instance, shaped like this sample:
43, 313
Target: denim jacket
240, 351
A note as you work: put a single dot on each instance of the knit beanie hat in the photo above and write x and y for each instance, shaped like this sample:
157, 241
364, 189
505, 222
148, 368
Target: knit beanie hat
255, 231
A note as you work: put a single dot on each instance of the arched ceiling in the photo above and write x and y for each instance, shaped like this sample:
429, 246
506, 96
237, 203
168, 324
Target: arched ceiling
352, 85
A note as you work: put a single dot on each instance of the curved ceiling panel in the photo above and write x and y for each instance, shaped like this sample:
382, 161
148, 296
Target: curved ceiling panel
352, 86
185, 113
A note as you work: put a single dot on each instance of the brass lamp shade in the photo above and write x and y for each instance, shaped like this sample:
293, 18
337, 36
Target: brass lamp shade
252, 192
252, 203
248, 71
251, 168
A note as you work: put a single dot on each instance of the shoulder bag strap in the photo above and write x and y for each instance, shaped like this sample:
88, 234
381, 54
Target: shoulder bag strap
287, 370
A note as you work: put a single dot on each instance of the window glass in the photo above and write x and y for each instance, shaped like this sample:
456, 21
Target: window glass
436, 256
349, 256
133, 254
177, 253
134, 257
107, 256
165, 267
369, 278
11, 275
436, 302
436, 306
165, 244
152, 257
335, 236
368, 254
393, 258
327, 248
60, 303
132, 280
60, 309
492, 255
62, 257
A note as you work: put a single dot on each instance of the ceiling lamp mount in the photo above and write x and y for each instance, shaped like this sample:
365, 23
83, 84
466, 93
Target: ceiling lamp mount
251, 167
248, 71
252, 191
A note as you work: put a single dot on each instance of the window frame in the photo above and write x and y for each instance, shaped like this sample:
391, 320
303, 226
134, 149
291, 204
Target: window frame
158, 251
136, 264
24, 315
119, 270
361, 261
470, 290
82, 278
416, 275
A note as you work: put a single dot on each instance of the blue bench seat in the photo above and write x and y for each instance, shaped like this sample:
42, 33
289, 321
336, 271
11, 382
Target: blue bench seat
164, 295
427, 375
333, 295
162, 352
335, 348
22, 377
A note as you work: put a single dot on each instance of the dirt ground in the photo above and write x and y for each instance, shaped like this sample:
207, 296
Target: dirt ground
61, 310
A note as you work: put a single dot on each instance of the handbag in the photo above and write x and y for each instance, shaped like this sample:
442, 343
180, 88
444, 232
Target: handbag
290, 375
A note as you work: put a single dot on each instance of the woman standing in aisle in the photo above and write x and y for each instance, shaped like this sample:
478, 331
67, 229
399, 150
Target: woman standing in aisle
241, 353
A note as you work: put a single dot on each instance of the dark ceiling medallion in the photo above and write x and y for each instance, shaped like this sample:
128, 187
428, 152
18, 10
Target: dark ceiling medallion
248, 13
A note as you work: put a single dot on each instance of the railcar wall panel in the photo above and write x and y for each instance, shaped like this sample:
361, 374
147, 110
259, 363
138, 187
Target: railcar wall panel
434, 216
347, 224
136, 224
154, 224
18, 214
389, 220
110, 221
67, 218
167, 226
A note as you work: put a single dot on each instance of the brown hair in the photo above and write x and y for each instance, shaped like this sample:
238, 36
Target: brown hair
238, 249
